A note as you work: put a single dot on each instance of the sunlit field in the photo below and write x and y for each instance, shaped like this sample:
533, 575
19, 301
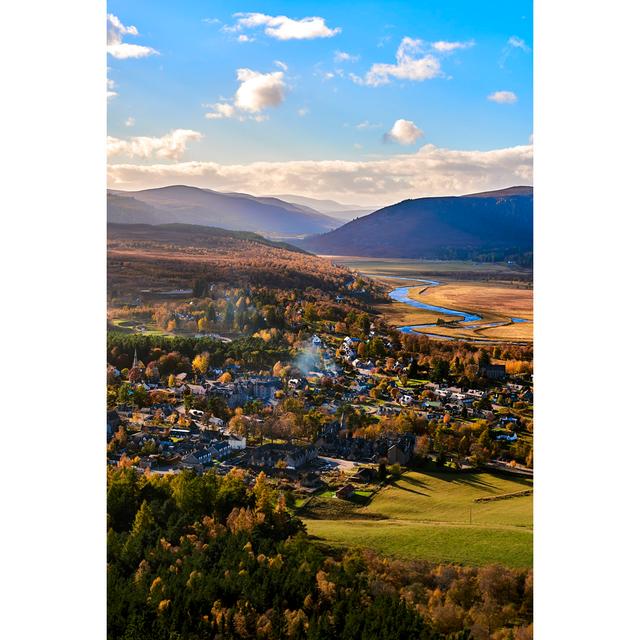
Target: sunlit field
433, 516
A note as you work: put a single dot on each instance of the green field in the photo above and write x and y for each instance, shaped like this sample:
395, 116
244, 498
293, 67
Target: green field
131, 326
433, 516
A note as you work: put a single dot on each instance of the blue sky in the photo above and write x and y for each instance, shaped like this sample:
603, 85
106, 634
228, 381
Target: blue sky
313, 84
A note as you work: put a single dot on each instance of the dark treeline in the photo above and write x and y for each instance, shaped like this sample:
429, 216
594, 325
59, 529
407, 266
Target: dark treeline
515, 255
251, 351
418, 344
193, 557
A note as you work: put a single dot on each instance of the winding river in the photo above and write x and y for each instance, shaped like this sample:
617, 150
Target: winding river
401, 294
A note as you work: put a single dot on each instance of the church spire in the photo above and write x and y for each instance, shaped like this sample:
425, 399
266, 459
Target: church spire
135, 359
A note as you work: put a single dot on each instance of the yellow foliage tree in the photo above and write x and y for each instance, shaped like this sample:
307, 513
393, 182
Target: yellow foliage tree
203, 325
200, 363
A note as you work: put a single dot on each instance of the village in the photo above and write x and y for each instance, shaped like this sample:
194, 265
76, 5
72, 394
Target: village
325, 423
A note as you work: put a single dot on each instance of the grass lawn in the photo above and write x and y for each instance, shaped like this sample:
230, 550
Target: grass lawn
426, 515
129, 326
434, 542
447, 497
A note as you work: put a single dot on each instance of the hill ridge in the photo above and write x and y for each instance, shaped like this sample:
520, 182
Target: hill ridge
496, 225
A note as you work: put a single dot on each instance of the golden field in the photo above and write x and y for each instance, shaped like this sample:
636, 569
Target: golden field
485, 299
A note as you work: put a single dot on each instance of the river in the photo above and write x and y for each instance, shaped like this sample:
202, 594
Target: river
401, 294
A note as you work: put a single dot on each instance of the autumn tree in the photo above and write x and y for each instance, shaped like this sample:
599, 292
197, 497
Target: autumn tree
200, 363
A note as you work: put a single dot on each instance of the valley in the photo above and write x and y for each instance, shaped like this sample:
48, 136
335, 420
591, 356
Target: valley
358, 409
319, 312
494, 301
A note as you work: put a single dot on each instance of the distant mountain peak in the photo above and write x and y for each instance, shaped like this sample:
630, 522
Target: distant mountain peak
235, 211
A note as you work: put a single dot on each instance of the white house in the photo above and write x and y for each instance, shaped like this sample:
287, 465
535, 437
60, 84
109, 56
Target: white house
406, 399
236, 442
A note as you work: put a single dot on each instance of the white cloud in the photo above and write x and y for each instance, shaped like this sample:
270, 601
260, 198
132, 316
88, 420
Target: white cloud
343, 56
121, 50
410, 65
429, 171
116, 30
220, 110
443, 46
130, 121
284, 28
111, 85
368, 125
259, 90
503, 97
243, 37
404, 132
281, 64
513, 43
256, 92
518, 43
211, 20
171, 146
303, 111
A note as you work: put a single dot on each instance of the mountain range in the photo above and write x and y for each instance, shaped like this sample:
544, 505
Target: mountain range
498, 223
268, 216
495, 224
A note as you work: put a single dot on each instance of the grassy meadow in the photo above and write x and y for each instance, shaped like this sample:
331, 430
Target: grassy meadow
433, 516
485, 299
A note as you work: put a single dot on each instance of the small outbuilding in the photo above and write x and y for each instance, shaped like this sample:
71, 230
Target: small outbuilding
345, 492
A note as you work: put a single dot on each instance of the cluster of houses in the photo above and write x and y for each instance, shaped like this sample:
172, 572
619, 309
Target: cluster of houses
348, 351
272, 456
235, 393
170, 447
394, 448
162, 445
243, 390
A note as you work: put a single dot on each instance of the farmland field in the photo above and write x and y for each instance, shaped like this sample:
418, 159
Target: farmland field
427, 516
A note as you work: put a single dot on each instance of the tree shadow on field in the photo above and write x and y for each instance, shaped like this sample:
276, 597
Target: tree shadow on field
395, 485
469, 479
414, 481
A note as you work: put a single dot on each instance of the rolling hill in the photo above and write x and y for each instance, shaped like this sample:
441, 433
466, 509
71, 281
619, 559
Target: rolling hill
172, 256
238, 211
498, 223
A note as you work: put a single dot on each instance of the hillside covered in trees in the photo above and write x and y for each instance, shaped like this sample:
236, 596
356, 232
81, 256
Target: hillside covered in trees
200, 556
173, 256
492, 226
